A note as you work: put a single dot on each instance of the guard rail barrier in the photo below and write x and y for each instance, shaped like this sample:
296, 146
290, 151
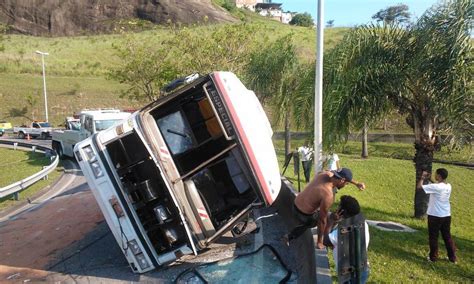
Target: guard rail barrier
18, 186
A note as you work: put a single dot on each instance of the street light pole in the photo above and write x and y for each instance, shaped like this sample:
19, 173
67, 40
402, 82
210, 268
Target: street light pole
318, 96
44, 84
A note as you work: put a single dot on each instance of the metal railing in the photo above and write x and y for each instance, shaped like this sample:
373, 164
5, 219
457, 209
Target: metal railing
18, 186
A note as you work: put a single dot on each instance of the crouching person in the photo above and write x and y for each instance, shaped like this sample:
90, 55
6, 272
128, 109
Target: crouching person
349, 238
311, 206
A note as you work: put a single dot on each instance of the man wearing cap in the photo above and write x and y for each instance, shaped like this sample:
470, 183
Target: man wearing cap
318, 194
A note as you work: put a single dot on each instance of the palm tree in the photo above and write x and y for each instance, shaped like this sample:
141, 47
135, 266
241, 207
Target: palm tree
353, 99
424, 71
275, 74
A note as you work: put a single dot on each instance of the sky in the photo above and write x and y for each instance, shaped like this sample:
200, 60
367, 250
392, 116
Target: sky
349, 13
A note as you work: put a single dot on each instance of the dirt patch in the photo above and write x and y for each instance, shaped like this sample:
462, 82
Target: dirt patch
15, 273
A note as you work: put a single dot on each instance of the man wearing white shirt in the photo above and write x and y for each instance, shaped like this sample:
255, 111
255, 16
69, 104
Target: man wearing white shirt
439, 213
306, 157
333, 162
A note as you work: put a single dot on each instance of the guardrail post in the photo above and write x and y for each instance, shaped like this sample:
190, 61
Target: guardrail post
16, 196
48, 154
46, 177
15, 145
33, 149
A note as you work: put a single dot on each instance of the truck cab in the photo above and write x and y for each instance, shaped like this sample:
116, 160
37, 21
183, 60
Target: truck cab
183, 170
72, 123
78, 129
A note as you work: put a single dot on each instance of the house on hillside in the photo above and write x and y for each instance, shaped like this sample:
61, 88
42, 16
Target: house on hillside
272, 10
248, 4
286, 17
266, 8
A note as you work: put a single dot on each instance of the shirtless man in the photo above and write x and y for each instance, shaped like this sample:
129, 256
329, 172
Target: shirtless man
318, 194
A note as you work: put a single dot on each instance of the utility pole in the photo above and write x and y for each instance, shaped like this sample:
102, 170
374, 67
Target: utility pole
44, 84
318, 96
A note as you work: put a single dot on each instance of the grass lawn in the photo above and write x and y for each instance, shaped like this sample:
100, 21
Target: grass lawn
390, 150
401, 257
17, 165
407, 151
66, 95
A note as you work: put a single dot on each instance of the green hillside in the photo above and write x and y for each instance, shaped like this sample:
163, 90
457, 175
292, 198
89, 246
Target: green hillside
77, 68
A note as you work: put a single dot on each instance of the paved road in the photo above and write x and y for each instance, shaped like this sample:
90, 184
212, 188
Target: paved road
41, 142
62, 236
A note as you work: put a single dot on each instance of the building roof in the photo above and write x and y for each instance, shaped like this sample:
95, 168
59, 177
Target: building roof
268, 5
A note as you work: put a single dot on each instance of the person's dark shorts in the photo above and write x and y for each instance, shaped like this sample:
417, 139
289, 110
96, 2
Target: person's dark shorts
306, 219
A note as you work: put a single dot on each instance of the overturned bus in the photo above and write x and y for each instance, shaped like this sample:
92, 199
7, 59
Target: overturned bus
182, 171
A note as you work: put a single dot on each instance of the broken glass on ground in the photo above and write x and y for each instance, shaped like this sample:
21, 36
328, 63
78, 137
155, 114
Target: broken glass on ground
261, 266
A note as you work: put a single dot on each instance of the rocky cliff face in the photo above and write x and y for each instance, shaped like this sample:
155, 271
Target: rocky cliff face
76, 17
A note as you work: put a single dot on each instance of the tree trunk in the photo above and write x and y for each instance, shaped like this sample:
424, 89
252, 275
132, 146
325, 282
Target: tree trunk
287, 134
365, 151
423, 162
425, 145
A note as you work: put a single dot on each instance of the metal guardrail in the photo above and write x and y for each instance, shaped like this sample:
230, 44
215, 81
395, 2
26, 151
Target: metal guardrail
26, 182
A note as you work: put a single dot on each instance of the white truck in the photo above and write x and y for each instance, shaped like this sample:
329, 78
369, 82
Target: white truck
182, 171
36, 129
90, 122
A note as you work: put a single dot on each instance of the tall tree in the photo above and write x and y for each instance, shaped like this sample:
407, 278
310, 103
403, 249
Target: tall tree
145, 68
393, 14
353, 99
424, 71
226, 47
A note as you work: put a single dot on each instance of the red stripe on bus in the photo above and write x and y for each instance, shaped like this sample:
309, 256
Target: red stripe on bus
245, 140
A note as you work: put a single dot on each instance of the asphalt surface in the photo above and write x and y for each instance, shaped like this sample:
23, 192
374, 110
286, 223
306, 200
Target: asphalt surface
62, 236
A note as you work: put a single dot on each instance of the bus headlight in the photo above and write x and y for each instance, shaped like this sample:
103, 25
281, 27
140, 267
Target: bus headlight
92, 159
141, 259
134, 247
89, 153
98, 172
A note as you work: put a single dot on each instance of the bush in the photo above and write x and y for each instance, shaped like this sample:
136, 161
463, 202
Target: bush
304, 20
229, 5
